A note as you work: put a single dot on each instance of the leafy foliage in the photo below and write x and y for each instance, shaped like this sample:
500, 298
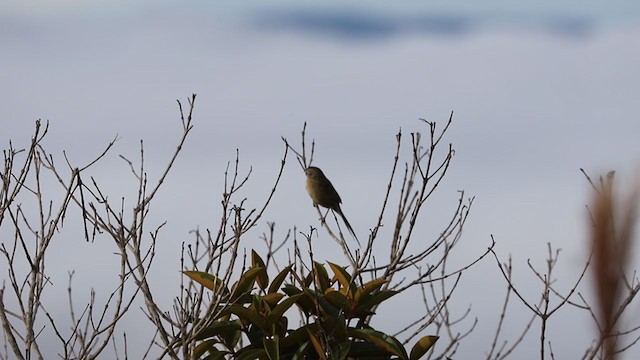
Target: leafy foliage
333, 308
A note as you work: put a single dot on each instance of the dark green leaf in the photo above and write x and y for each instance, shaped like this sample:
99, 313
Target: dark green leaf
272, 347
279, 279
246, 281
368, 288
374, 300
247, 315
280, 309
322, 277
251, 354
272, 299
341, 351
381, 340
338, 300
218, 328
202, 348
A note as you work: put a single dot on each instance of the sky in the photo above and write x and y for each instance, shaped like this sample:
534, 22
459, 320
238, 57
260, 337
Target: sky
538, 90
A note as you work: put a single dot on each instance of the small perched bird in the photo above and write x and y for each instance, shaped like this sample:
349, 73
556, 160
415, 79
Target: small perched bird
324, 194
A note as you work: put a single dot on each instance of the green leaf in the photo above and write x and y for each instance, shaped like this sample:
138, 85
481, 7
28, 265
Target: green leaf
202, 348
310, 302
256, 336
338, 300
341, 351
373, 300
301, 352
216, 355
218, 328
369, 287
336, 326
272, 299
291, 290
366, 350
305, 303
280, 309
272, 348
381, 340
250, 354
308, 280
231, 338
257, 304
263, 277
247, 315
246, 281
207, 280
317, 345
343, 278
279, 279
281, 327
246, 298
422, 346
299, 335
322, 277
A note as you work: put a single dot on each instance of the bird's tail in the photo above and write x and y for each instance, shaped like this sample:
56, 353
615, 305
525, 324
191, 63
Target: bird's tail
346, 222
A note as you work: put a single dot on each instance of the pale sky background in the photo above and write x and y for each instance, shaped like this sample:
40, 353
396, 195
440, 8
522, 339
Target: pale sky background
539, 90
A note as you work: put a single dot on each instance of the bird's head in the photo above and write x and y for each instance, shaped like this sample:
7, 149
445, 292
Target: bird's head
313, 172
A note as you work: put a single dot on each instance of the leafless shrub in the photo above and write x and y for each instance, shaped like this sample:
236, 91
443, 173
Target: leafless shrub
425, 268
30, 222
610, 244
612, 236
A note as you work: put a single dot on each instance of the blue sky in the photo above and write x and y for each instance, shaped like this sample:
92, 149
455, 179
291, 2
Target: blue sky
539, 90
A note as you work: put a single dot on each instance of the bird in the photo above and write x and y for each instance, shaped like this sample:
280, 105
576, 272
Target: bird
324, 194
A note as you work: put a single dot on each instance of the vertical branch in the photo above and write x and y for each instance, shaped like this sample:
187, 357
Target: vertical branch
611, 240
